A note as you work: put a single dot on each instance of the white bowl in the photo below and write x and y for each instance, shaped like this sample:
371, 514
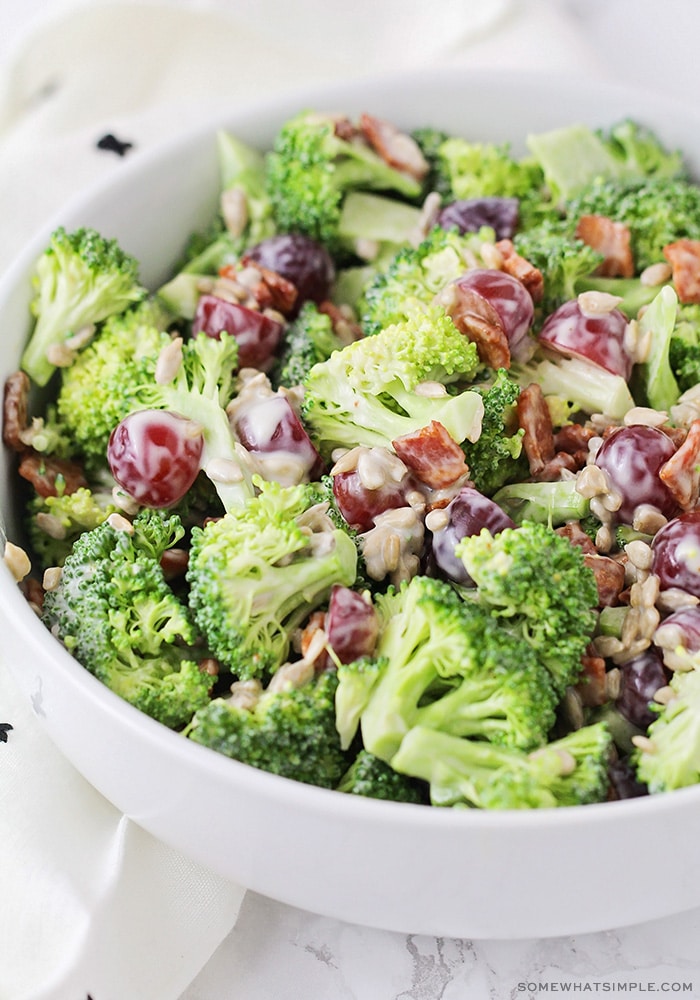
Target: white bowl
389, 865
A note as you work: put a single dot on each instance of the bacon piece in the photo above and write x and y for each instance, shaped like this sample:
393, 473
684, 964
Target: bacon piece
551, 470
15, 410
345, 129
577, 536
612, 240
591, 687
573, 438
432, 455
42, 471
398, 149
476, 318
521, 268
684, 258
609, 577
535, 420
681, 474
345, 328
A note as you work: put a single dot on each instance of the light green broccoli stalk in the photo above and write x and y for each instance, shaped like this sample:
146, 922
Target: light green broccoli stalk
81, 278
308, 340
114, 611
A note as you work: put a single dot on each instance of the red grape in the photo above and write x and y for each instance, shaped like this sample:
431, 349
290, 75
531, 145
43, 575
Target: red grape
360, 505
467, 513
676, 553
509, 298
598, 339
299, 259
155, 456
257, 335
632, 457
468, 215
271, 426
351, 624
640, 679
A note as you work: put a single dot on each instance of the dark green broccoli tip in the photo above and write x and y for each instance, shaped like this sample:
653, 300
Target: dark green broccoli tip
570, 771
308, 340
536, 582
289, 732
114, 611
497, 456
80, 279
466, 169
375, 779
563, 259
312, 167
684, 347
257, 573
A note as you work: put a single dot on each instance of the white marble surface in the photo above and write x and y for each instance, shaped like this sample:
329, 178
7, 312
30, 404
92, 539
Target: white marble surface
276, 952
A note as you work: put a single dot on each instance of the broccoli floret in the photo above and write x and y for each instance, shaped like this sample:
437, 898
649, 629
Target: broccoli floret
640, 151
375, 779
357, 680
656, 210
98, 389
497, 457
575, 385
417, 273
569, 771
654, 382
308, 340
672, 757
562, 258
257, 573
366, 394
536, 583
552, 503
56, 522
114, 611
80, 279
430, 141
684, 347
288, 730
448, 665
312, 168
476, 170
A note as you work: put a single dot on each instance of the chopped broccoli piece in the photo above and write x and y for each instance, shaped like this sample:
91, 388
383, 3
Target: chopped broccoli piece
654, 381
672, 758
308, 340
257, 573
56, 522
312, 168
684, 347
80, 279
375, 779
536, 583
99, 389
640, 151
447, 664
114, 611
569, 771
476, 170
357, 680
563, 260
366, 394
289, 731
575, 385
496, 457
550, 503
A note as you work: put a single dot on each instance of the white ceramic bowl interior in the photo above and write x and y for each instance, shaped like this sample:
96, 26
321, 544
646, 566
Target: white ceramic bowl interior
389, 865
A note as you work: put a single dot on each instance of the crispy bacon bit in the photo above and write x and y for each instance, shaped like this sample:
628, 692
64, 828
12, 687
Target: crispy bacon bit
592, 688
612, 240
536, 422
521, 268
344, 327
609, 577
573, 438
433, 455
395, 147
476, 318
551, 471
577, 536
15, 410
345, 129
684, 258
272, 291
43, 471
681, 474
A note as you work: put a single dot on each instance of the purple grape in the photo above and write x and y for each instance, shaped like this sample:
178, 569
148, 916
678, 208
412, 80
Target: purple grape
470, 214
676, 553
351, 624
640, 679
301, 260
508, 296
598, 339
468, 512
632, 457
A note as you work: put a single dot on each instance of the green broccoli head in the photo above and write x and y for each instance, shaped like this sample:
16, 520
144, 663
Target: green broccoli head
54, 523
257, 573
311, 169
98, 389
114, 611
81, 278
536, 583
476, 773
640, 152
368, 393
308, 340
288, 731
669, 757
476, 170
375, 779
497, 456
563, 260
684, 347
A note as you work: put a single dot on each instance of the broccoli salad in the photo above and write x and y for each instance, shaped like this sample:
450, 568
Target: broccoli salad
393, 487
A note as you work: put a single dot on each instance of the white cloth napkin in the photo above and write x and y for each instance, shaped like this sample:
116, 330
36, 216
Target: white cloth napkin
90, 904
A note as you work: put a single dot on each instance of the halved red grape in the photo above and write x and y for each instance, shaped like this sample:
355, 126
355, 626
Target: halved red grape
640, 679
155, 455
257, 335
360, 505
676, 553
596, 338
632, 457
467, 513
351, 624
509, 298
271, 426
686, 629
299, 259
468, 215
